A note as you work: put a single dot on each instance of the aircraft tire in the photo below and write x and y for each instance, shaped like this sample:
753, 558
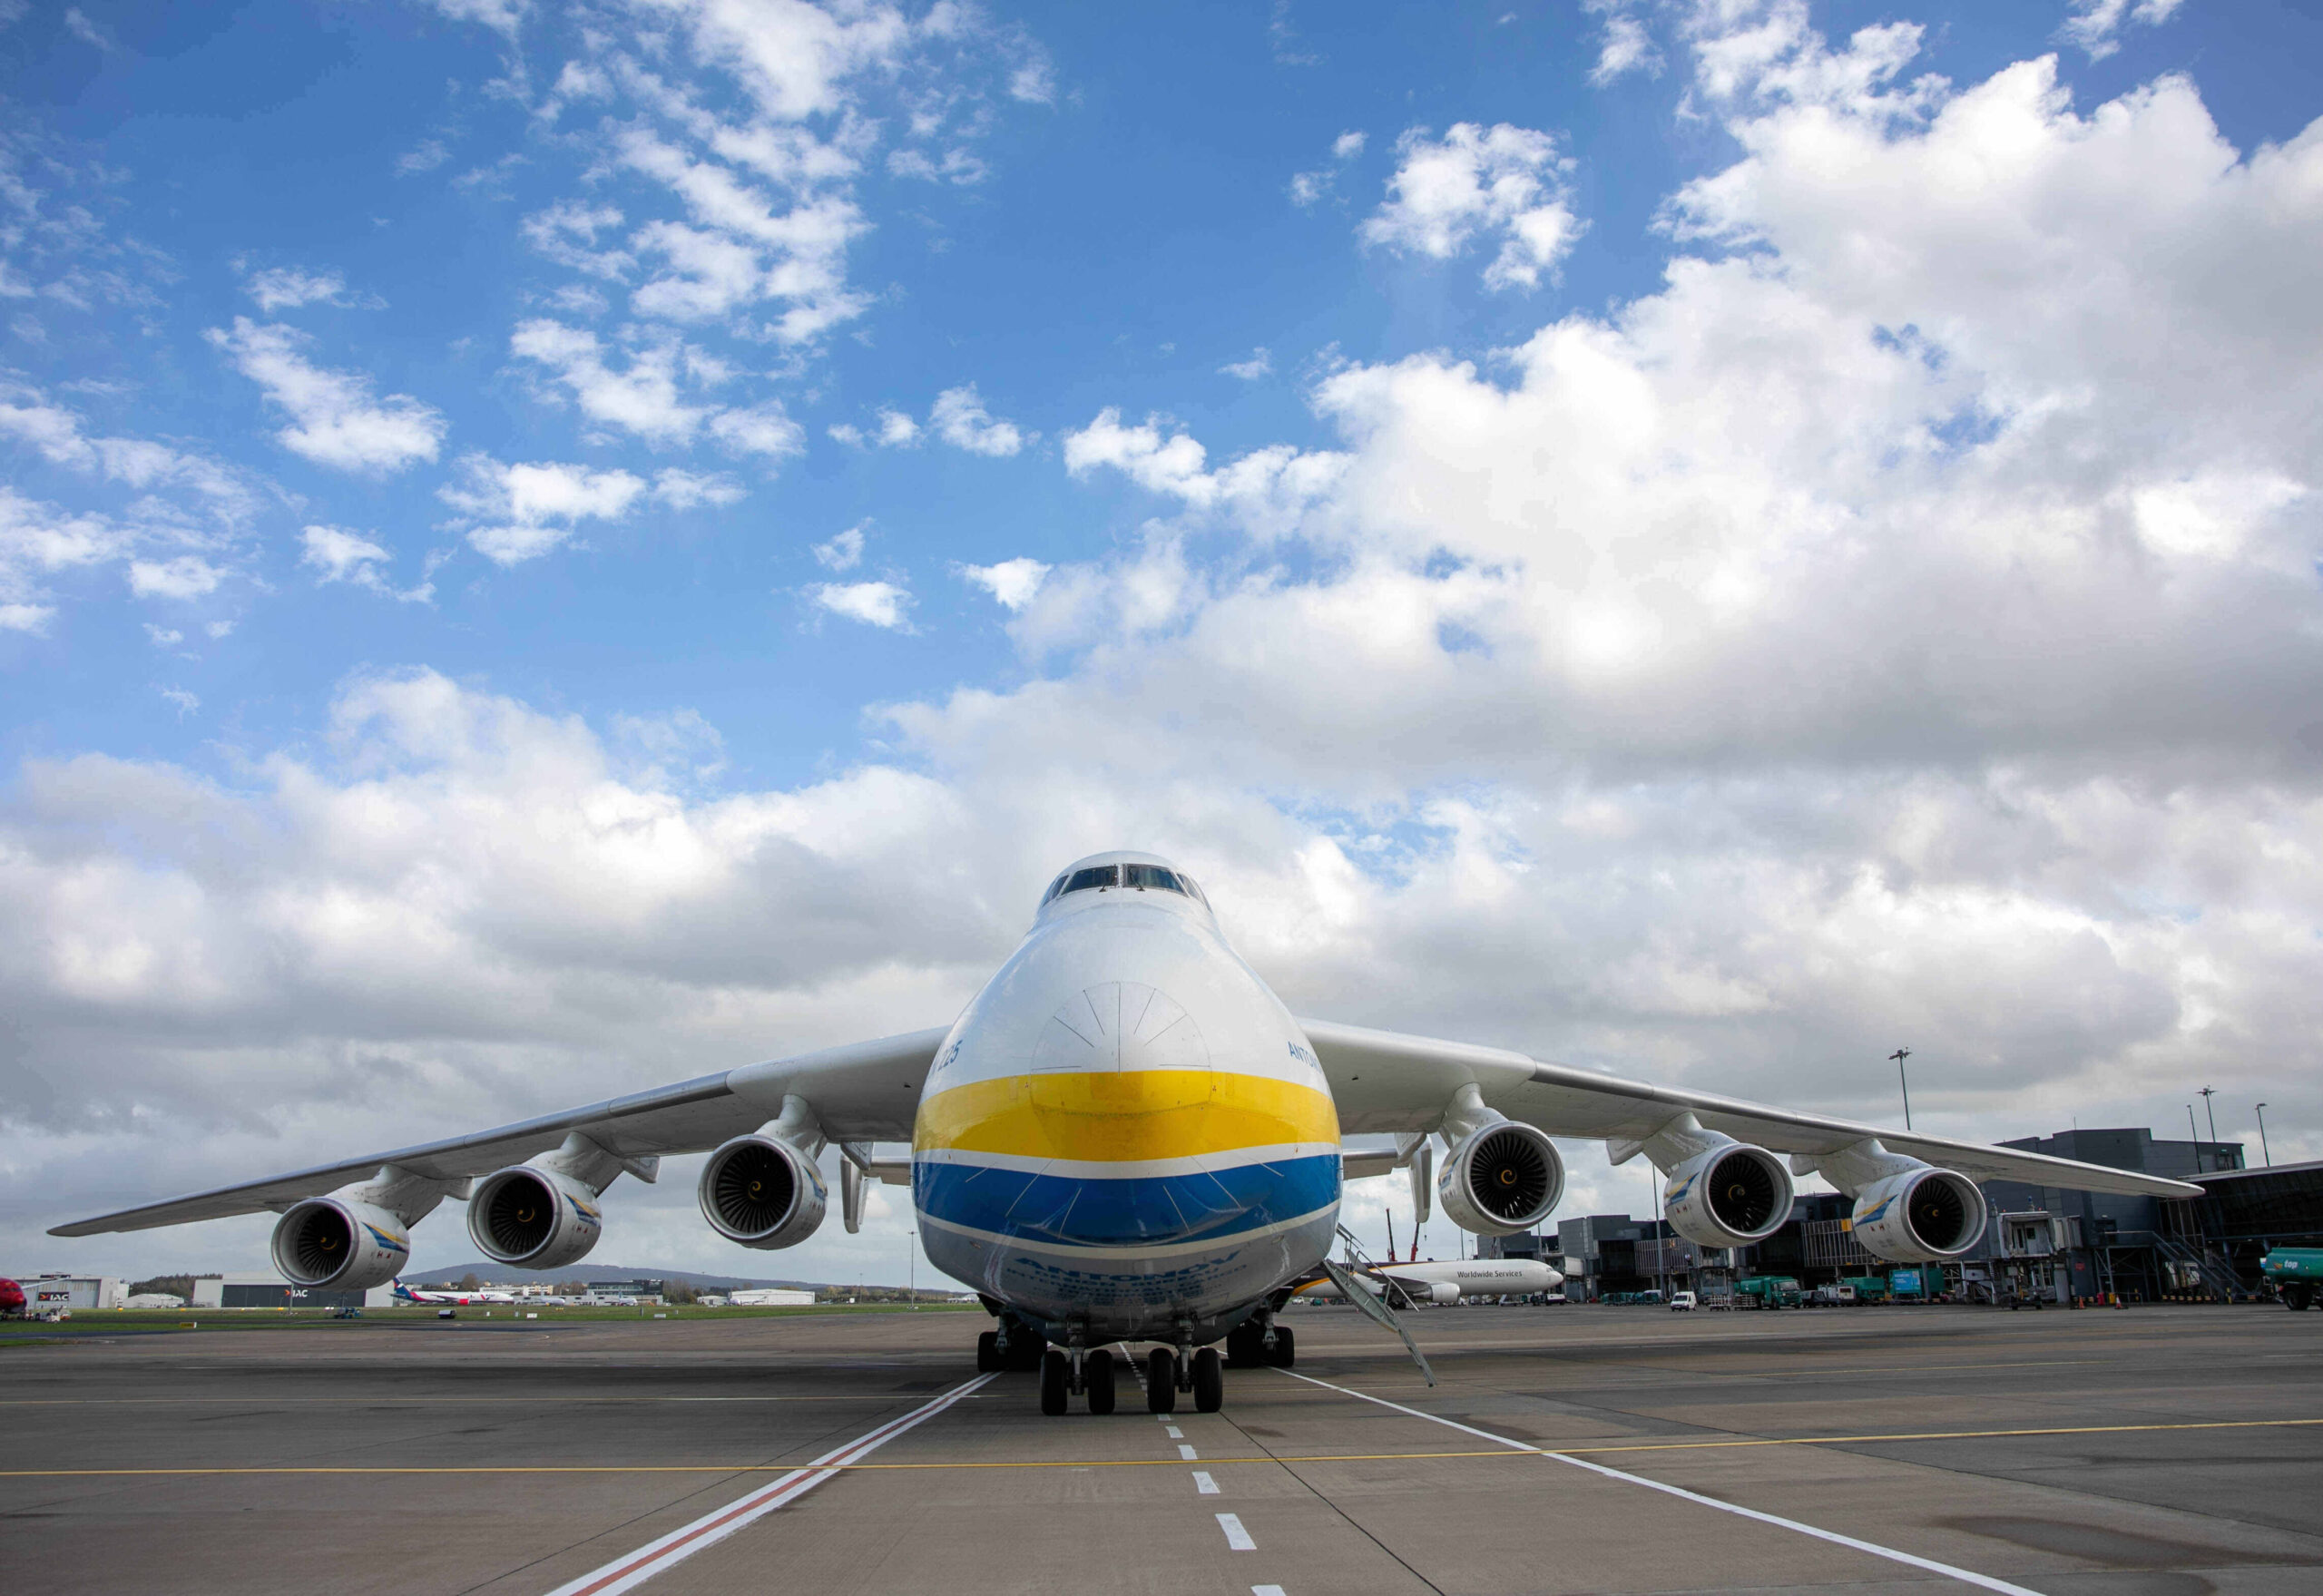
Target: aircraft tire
1097, 1379
1209, 1386
1025, 1350
1285, 1351
1162, 1381
988, 1353
1056, 1375
1246, 1345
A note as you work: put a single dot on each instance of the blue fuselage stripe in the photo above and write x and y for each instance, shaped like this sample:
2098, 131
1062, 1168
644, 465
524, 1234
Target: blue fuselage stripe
1071, 1210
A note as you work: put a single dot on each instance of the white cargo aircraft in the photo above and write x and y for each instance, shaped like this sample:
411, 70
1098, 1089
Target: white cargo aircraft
1445, 1279
1126, 1138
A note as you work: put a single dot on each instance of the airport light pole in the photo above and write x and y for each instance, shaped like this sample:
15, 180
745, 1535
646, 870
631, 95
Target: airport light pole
2263, 1151
1899, 1056
2211, 1109
2194, 1135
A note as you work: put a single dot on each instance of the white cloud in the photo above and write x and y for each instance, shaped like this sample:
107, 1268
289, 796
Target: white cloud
566, 232
77, 24
1266, 486
896, 429
687, 490
38, 541
875, 603
189, 576
960, 419
1505, 180
1261, 364
186, 701
287, 288
334, 421
505, 17
2095, 26
425, 156
521, 511
763, 429
1308, 187
1348, 145
1013, 582
60, 435
1623, 46
642, 398
165, 637
843, 552
336, 554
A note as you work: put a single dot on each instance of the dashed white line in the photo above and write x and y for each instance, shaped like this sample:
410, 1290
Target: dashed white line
632, 1569
1176, 1434
1203, 1484
1187, 1452
1266, 1590
1966, 1576
1238, 1539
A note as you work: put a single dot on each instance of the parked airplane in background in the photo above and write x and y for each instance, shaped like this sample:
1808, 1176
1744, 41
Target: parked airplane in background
1445, 1280
12, 1300
1126, 1137
420, 1295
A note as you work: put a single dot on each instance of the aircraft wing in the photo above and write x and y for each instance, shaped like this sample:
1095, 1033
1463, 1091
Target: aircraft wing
1384, 1081
866, 1091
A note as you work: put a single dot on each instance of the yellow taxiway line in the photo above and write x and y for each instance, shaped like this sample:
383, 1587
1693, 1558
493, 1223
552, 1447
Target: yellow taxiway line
1136, 1462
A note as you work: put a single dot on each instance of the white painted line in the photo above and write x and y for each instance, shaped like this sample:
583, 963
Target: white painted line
1203, 1484
1238, 1539
1266, 1590
629, 1572
1966, 1576
1176, 1434
1187, 1452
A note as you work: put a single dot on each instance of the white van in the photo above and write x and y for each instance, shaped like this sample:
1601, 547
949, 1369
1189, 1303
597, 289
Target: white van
1682, 1302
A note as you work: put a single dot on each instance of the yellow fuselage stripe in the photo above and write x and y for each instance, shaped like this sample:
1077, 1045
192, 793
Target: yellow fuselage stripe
1124, 1116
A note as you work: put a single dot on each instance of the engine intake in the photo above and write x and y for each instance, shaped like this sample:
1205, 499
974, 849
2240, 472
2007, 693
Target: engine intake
339, 1243
1500, 1179
763, 1192
1920, 1216
536, 1218
1730, 1196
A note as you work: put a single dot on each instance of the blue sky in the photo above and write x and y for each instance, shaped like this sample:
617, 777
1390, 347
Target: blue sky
430, 428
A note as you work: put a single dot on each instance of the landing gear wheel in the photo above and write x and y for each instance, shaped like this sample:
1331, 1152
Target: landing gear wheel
1246, 1345
988, 1353
1055, 1373
1162, 1381
1285, 1351
1023, 1353
1209, 1386
1097, 1379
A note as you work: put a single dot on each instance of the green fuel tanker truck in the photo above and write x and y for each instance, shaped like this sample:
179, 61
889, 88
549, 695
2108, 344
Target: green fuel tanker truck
2298, 1274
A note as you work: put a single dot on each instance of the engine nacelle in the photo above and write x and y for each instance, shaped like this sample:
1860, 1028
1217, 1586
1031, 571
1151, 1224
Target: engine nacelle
1730, 1196
1501, 1178
1444, 1291
534, 1217
340, 1243
763, 1192
1919, 1216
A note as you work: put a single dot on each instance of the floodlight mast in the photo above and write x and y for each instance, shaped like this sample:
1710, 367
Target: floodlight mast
1899, 1055
2264, 1152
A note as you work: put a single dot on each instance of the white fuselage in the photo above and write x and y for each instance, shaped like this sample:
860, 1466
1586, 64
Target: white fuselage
1125, 1131
1473, 1276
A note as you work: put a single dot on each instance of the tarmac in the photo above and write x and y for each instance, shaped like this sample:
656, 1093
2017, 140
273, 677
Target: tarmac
2152, 1452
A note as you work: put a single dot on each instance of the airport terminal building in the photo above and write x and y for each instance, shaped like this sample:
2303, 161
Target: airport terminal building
2040, 1242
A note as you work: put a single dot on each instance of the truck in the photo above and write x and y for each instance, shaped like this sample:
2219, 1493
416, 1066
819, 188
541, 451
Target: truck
1907, 1286
1867, 1287
2297, 1275
1767, 1291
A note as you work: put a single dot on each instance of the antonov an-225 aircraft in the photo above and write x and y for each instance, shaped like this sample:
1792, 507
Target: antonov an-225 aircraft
1127, 1138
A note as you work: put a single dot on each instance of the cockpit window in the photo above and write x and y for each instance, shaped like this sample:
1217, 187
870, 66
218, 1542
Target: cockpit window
1094, 876
1144, 876
1055, 886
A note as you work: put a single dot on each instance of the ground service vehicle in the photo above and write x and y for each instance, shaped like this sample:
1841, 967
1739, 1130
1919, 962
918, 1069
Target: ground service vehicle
2297, 1275
1125, 1137
1767, 1291
1682, 1302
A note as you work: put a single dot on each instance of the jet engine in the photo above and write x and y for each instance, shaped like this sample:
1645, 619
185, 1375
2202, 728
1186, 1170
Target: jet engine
1919, 1216
341, 1243
1501, 1178
535, 1217
1444, 1291
763, 1192
1729, 1196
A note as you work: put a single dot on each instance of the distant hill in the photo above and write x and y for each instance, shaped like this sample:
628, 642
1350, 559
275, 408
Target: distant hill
596, 1274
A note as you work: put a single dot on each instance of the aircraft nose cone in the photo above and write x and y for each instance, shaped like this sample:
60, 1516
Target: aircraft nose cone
1125, 1028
